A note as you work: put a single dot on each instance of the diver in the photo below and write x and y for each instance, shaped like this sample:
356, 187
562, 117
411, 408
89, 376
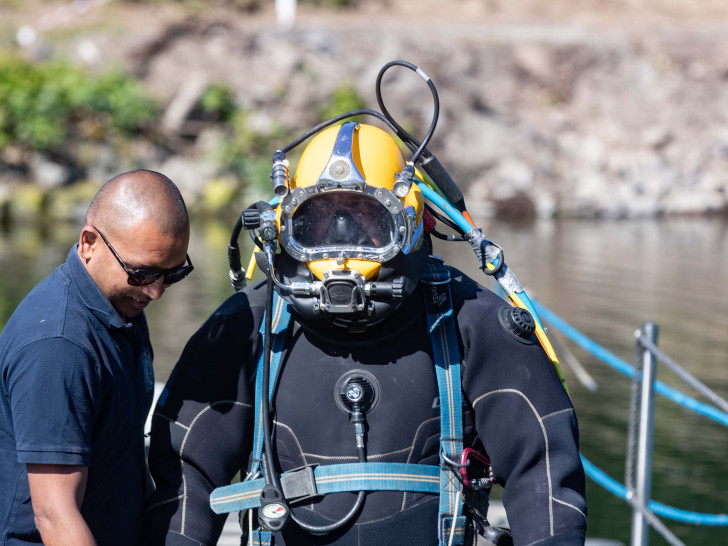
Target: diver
363, 392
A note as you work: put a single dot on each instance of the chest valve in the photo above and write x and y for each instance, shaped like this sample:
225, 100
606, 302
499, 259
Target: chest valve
519, 323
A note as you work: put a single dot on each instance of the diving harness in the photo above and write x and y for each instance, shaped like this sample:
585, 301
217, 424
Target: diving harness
265, 222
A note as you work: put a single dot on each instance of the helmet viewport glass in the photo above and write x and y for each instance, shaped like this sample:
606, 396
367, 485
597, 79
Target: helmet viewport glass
343, 219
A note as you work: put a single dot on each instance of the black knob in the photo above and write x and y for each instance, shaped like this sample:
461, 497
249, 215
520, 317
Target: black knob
251, 219
518, 322
398, 285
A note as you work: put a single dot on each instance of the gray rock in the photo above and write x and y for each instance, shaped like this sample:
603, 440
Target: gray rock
46, 173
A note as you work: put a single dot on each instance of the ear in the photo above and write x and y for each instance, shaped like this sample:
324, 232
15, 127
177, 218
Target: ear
88, 242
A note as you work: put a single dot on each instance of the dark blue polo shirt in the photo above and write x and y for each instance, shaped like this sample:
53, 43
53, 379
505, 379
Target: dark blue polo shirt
76, 385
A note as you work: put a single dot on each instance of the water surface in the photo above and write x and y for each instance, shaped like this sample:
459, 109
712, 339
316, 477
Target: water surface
604, 278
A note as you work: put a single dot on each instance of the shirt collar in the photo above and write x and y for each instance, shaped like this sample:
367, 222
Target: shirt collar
90, 294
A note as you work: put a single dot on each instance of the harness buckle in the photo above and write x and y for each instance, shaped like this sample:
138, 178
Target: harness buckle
451, 530
299, 484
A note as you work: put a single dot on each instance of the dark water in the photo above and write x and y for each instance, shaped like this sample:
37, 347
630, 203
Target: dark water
604, 278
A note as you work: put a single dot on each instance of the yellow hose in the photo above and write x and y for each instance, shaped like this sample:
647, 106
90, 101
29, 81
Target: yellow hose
544, 341
251, 266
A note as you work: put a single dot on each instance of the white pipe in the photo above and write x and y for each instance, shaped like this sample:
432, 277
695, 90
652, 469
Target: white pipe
286, 12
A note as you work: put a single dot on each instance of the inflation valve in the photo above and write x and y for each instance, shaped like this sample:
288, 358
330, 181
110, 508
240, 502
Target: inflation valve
518, 323
357, 387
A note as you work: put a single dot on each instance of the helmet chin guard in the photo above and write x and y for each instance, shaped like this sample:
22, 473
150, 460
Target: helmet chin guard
343, 298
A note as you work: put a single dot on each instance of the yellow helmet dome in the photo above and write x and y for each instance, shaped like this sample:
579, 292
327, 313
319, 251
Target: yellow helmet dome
376, 155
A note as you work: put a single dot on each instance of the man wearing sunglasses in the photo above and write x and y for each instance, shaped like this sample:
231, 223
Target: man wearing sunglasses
76, 372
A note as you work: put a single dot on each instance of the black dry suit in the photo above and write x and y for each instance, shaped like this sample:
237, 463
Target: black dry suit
514, 408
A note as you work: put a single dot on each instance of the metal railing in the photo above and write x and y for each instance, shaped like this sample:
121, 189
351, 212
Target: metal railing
638, 465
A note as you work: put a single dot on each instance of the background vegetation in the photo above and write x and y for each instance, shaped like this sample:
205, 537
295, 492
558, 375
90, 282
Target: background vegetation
71, 115
47, 105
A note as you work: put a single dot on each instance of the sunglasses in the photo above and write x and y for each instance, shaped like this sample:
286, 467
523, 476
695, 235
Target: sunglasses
142, 276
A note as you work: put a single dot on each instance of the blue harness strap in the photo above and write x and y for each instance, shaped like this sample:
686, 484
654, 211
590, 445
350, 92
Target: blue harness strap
279, 331
333, 478
446, 353
321, 480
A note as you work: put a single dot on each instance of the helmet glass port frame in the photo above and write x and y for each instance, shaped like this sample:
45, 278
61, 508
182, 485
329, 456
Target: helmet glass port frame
367, 223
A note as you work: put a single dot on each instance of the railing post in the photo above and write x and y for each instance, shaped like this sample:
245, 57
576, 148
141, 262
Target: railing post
643, 485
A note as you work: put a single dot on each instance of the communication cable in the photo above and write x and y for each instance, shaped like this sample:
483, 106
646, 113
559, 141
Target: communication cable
503, 275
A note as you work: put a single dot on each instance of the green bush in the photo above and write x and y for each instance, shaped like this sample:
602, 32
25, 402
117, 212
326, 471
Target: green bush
344, 99
44, 105
218, 102
248, 153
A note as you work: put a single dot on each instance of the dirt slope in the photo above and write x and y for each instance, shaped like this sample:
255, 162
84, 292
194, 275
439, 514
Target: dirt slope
614, 108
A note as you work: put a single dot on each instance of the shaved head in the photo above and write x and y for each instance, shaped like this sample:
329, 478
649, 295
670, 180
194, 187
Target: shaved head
145, 219
139, 196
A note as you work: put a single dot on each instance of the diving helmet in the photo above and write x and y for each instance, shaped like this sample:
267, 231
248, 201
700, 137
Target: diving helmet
350, 247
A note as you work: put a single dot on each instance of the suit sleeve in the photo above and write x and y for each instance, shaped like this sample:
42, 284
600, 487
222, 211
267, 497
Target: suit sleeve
528, 426
202, 428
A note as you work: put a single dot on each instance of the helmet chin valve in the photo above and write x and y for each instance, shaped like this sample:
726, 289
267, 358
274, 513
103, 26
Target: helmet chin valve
342, 291
345, 291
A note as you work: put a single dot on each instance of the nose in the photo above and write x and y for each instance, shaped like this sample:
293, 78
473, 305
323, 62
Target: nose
155, 289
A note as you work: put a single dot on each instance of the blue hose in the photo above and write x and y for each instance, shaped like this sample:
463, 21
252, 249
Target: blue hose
675, 514
600, 352
530, 306
620, 365
454, 214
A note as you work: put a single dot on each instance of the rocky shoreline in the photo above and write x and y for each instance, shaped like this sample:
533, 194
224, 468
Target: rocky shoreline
537, 119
